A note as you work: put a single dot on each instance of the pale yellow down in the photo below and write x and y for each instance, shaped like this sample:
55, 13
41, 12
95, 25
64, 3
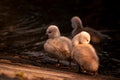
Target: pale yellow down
84, 53
57, 46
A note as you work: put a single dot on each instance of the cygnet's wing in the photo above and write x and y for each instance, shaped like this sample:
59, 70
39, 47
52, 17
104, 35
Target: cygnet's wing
49, 46
63, 46
85, 52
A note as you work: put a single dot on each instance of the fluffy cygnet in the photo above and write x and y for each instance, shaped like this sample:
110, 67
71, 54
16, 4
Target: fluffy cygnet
84, 53
96, 36
57, 46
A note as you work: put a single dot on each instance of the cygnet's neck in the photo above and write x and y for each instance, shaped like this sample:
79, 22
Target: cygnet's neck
56, 35
76, 24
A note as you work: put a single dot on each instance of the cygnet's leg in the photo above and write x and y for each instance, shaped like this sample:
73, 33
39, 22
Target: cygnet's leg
81, 69
66, 67
58, 63
70, 65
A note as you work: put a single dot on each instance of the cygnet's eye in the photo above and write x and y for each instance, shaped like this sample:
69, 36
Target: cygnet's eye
87, 40
49, 31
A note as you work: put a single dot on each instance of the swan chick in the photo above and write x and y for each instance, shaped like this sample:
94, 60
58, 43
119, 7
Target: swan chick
57, 46
96, 36
84, 53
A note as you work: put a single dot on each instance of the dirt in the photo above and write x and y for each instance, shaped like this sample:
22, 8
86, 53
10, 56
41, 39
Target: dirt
18, 66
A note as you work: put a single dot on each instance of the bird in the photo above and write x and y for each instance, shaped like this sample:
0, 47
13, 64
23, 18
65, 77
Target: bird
96, 36
84, 54
57, 46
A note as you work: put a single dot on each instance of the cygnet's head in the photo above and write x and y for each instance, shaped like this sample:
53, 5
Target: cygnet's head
84, 37
53, 31
76, 22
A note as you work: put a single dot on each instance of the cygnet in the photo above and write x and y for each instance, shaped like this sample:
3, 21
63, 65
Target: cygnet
84, 53
96, 36
57, 46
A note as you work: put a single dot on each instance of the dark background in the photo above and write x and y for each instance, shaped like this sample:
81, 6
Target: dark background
100, 14
23, 22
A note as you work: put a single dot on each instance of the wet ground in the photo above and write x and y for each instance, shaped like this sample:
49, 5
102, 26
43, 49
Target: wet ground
107, 52
17, 71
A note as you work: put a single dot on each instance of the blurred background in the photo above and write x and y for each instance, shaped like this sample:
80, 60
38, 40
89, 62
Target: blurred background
23, 19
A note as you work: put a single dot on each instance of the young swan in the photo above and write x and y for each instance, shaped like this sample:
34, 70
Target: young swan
96, 36
57, 46
84, 53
